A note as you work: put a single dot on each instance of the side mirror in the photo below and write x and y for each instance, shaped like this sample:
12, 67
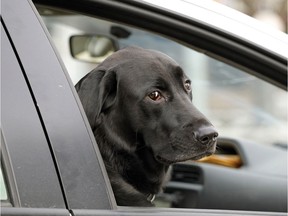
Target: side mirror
92, 48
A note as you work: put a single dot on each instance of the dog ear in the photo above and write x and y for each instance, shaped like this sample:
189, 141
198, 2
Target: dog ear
97, 91
107, 92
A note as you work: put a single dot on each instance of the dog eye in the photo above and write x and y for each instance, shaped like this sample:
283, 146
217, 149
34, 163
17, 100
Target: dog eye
155, 95
187, 85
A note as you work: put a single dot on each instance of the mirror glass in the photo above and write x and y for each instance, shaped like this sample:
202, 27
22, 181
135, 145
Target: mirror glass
92, 48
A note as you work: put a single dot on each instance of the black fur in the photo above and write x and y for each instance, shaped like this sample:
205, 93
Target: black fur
139, 137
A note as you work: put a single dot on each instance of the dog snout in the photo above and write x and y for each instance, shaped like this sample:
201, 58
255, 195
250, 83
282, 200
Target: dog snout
206, 135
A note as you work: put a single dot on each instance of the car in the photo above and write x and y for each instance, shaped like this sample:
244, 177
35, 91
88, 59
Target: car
50, 161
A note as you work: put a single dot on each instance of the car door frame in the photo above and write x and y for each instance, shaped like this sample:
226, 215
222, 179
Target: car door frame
76, 157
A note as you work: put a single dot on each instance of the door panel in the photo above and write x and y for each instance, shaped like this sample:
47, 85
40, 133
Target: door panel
85, 182
25, 140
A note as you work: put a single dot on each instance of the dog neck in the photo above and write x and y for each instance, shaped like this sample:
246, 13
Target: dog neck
137, 167
146, 174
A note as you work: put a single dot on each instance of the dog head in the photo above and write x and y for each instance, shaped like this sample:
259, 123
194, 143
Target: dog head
144, 98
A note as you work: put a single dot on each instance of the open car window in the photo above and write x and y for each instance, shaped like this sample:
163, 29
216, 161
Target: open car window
249, 114
235, 101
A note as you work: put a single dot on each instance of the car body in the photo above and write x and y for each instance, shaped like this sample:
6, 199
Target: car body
50, 160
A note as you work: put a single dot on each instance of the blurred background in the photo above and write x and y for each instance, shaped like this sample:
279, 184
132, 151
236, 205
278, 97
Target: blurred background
271, 12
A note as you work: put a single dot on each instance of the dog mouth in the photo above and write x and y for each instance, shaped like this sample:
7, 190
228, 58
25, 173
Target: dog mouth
169, 161
176, 152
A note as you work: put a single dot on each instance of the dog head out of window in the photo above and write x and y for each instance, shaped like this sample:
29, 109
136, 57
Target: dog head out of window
139, 103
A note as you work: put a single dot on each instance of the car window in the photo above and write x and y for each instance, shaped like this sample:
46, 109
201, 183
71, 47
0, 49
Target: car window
240, 105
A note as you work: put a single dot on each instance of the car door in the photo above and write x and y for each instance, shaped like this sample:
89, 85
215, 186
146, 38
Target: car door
27, 167
24, 146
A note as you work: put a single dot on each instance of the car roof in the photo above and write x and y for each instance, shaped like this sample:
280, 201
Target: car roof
228, 20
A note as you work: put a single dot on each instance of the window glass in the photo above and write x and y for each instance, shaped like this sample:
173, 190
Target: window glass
3, 187
238, 104
3, 190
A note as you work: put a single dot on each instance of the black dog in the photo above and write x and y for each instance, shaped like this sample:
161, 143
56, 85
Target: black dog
139, 105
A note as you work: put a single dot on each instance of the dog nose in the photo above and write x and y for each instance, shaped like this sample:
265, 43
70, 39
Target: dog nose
205, 135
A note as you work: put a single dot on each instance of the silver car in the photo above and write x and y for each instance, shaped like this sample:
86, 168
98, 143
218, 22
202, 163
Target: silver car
50, 161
